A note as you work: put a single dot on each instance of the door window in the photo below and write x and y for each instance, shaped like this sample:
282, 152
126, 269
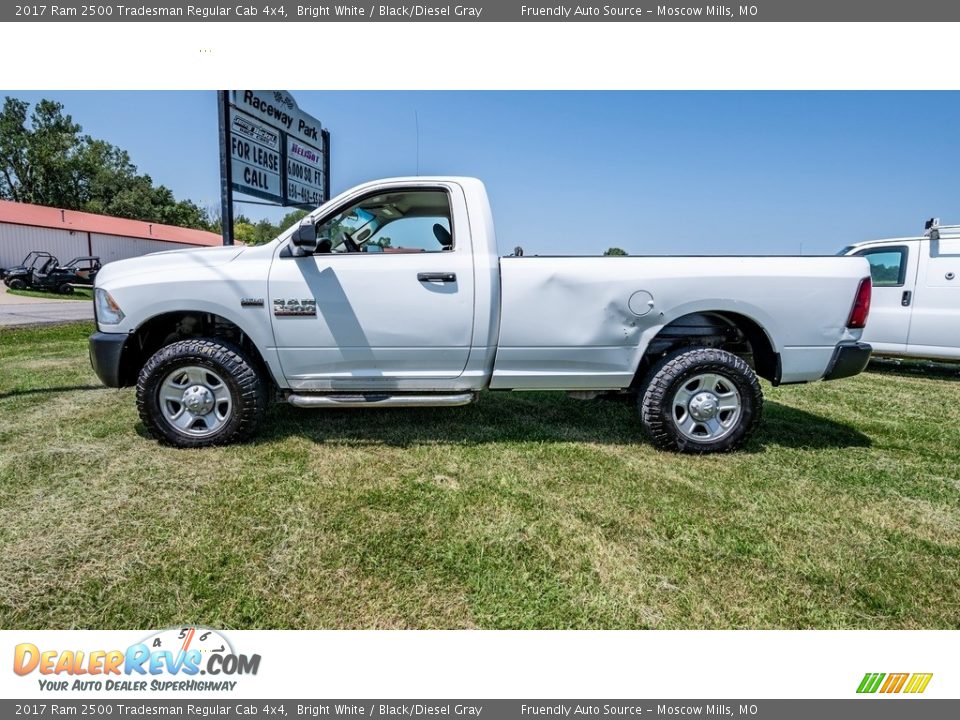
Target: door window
888, 266
404, 221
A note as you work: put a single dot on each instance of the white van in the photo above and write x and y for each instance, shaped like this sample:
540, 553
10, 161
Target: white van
915, 308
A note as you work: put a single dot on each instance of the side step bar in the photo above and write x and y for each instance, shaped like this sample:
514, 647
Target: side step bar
370, 400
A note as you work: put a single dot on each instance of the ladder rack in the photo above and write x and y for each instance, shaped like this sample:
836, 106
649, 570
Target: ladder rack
934, 230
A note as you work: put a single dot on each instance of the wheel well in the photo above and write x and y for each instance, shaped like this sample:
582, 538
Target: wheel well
728, 331
162, 330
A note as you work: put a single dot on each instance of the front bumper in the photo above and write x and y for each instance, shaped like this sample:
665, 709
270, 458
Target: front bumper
848, 359
106, 350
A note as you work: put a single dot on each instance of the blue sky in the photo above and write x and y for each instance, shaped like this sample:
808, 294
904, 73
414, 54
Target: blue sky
577, 172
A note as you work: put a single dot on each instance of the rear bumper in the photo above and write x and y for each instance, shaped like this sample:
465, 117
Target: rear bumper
106, 349
848, 359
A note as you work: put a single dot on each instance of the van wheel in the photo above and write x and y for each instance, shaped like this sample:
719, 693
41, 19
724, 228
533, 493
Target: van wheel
196, 393
700, 401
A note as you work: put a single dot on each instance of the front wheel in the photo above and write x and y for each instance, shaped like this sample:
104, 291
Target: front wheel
700, 401
196, 393
16, 284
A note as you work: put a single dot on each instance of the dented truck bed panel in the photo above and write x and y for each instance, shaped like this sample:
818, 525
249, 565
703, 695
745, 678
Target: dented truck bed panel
585, 322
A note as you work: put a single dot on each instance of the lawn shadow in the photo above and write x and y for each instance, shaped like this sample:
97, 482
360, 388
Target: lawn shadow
915, 369
788, 427
530, 417
50, 390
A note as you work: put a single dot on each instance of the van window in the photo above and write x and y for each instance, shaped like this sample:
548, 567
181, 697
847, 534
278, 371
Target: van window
888, 265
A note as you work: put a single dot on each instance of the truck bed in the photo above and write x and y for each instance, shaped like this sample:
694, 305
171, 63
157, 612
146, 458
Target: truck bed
585, 322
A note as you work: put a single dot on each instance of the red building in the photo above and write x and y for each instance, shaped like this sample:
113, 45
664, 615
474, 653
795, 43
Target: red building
68, 234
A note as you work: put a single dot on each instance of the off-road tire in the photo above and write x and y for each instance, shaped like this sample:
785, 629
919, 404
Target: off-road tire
655, 400
16, 284
65, 289
248, 390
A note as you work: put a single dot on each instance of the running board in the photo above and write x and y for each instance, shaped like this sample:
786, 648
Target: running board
370, 400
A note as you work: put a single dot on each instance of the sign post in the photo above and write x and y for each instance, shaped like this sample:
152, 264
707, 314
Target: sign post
326, 165
270, 149
226, 176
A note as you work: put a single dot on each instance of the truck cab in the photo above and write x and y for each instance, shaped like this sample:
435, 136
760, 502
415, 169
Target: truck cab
916, 293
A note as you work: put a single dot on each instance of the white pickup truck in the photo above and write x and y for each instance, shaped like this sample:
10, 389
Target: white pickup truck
916, 293
393, 294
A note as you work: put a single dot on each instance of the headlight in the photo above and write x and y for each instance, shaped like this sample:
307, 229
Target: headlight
108, 312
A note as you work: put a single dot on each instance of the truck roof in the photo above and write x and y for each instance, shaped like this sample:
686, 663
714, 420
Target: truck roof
864, 243
466, 182
933, 230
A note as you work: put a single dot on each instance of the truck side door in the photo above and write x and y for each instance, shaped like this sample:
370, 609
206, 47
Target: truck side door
935, 327
387, 299
893, 270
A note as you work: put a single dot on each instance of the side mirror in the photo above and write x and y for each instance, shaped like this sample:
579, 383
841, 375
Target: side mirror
305, 236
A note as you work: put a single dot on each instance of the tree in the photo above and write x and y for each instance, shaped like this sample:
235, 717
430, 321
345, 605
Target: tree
249, 232
291, 218
44, 159
244, 232
615, 251
39, 163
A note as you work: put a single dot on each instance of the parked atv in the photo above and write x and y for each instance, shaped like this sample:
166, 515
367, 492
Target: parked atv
19, 276
79, 271
42, 271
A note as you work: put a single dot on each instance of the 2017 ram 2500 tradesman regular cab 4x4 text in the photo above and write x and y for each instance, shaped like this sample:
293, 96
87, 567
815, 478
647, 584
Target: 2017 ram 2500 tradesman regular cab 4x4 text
393, 294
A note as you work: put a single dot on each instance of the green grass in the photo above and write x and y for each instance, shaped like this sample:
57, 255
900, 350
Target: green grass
522, 511
77, 294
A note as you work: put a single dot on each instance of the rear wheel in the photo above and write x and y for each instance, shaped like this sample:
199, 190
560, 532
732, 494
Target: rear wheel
65, 289
701, 401
196, 393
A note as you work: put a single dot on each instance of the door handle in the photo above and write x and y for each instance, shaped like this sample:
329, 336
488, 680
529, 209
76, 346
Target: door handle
437, 277
905, 299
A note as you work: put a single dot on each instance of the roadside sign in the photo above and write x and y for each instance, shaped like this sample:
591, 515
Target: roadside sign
255, 157
272, 127
278, 109
305, 173
271, 149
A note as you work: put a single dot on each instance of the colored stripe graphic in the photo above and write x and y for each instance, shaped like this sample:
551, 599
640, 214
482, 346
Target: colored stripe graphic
918, 683
894, 683
870, 682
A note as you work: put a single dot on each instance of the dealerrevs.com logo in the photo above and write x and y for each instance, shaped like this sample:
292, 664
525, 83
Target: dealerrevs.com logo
180, 659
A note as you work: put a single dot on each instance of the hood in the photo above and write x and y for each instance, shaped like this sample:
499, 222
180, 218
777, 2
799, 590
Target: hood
170, 261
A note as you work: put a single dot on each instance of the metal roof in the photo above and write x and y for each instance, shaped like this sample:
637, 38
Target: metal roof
50, 217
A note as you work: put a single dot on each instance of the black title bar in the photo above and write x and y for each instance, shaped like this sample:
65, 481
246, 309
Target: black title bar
485, 11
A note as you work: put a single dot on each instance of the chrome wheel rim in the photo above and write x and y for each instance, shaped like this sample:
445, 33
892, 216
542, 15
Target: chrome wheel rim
706, 407
195, 401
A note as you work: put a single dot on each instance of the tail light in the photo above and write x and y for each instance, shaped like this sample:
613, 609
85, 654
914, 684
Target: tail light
861, 305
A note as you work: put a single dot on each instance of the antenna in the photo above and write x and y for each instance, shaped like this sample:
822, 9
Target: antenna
416, 120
